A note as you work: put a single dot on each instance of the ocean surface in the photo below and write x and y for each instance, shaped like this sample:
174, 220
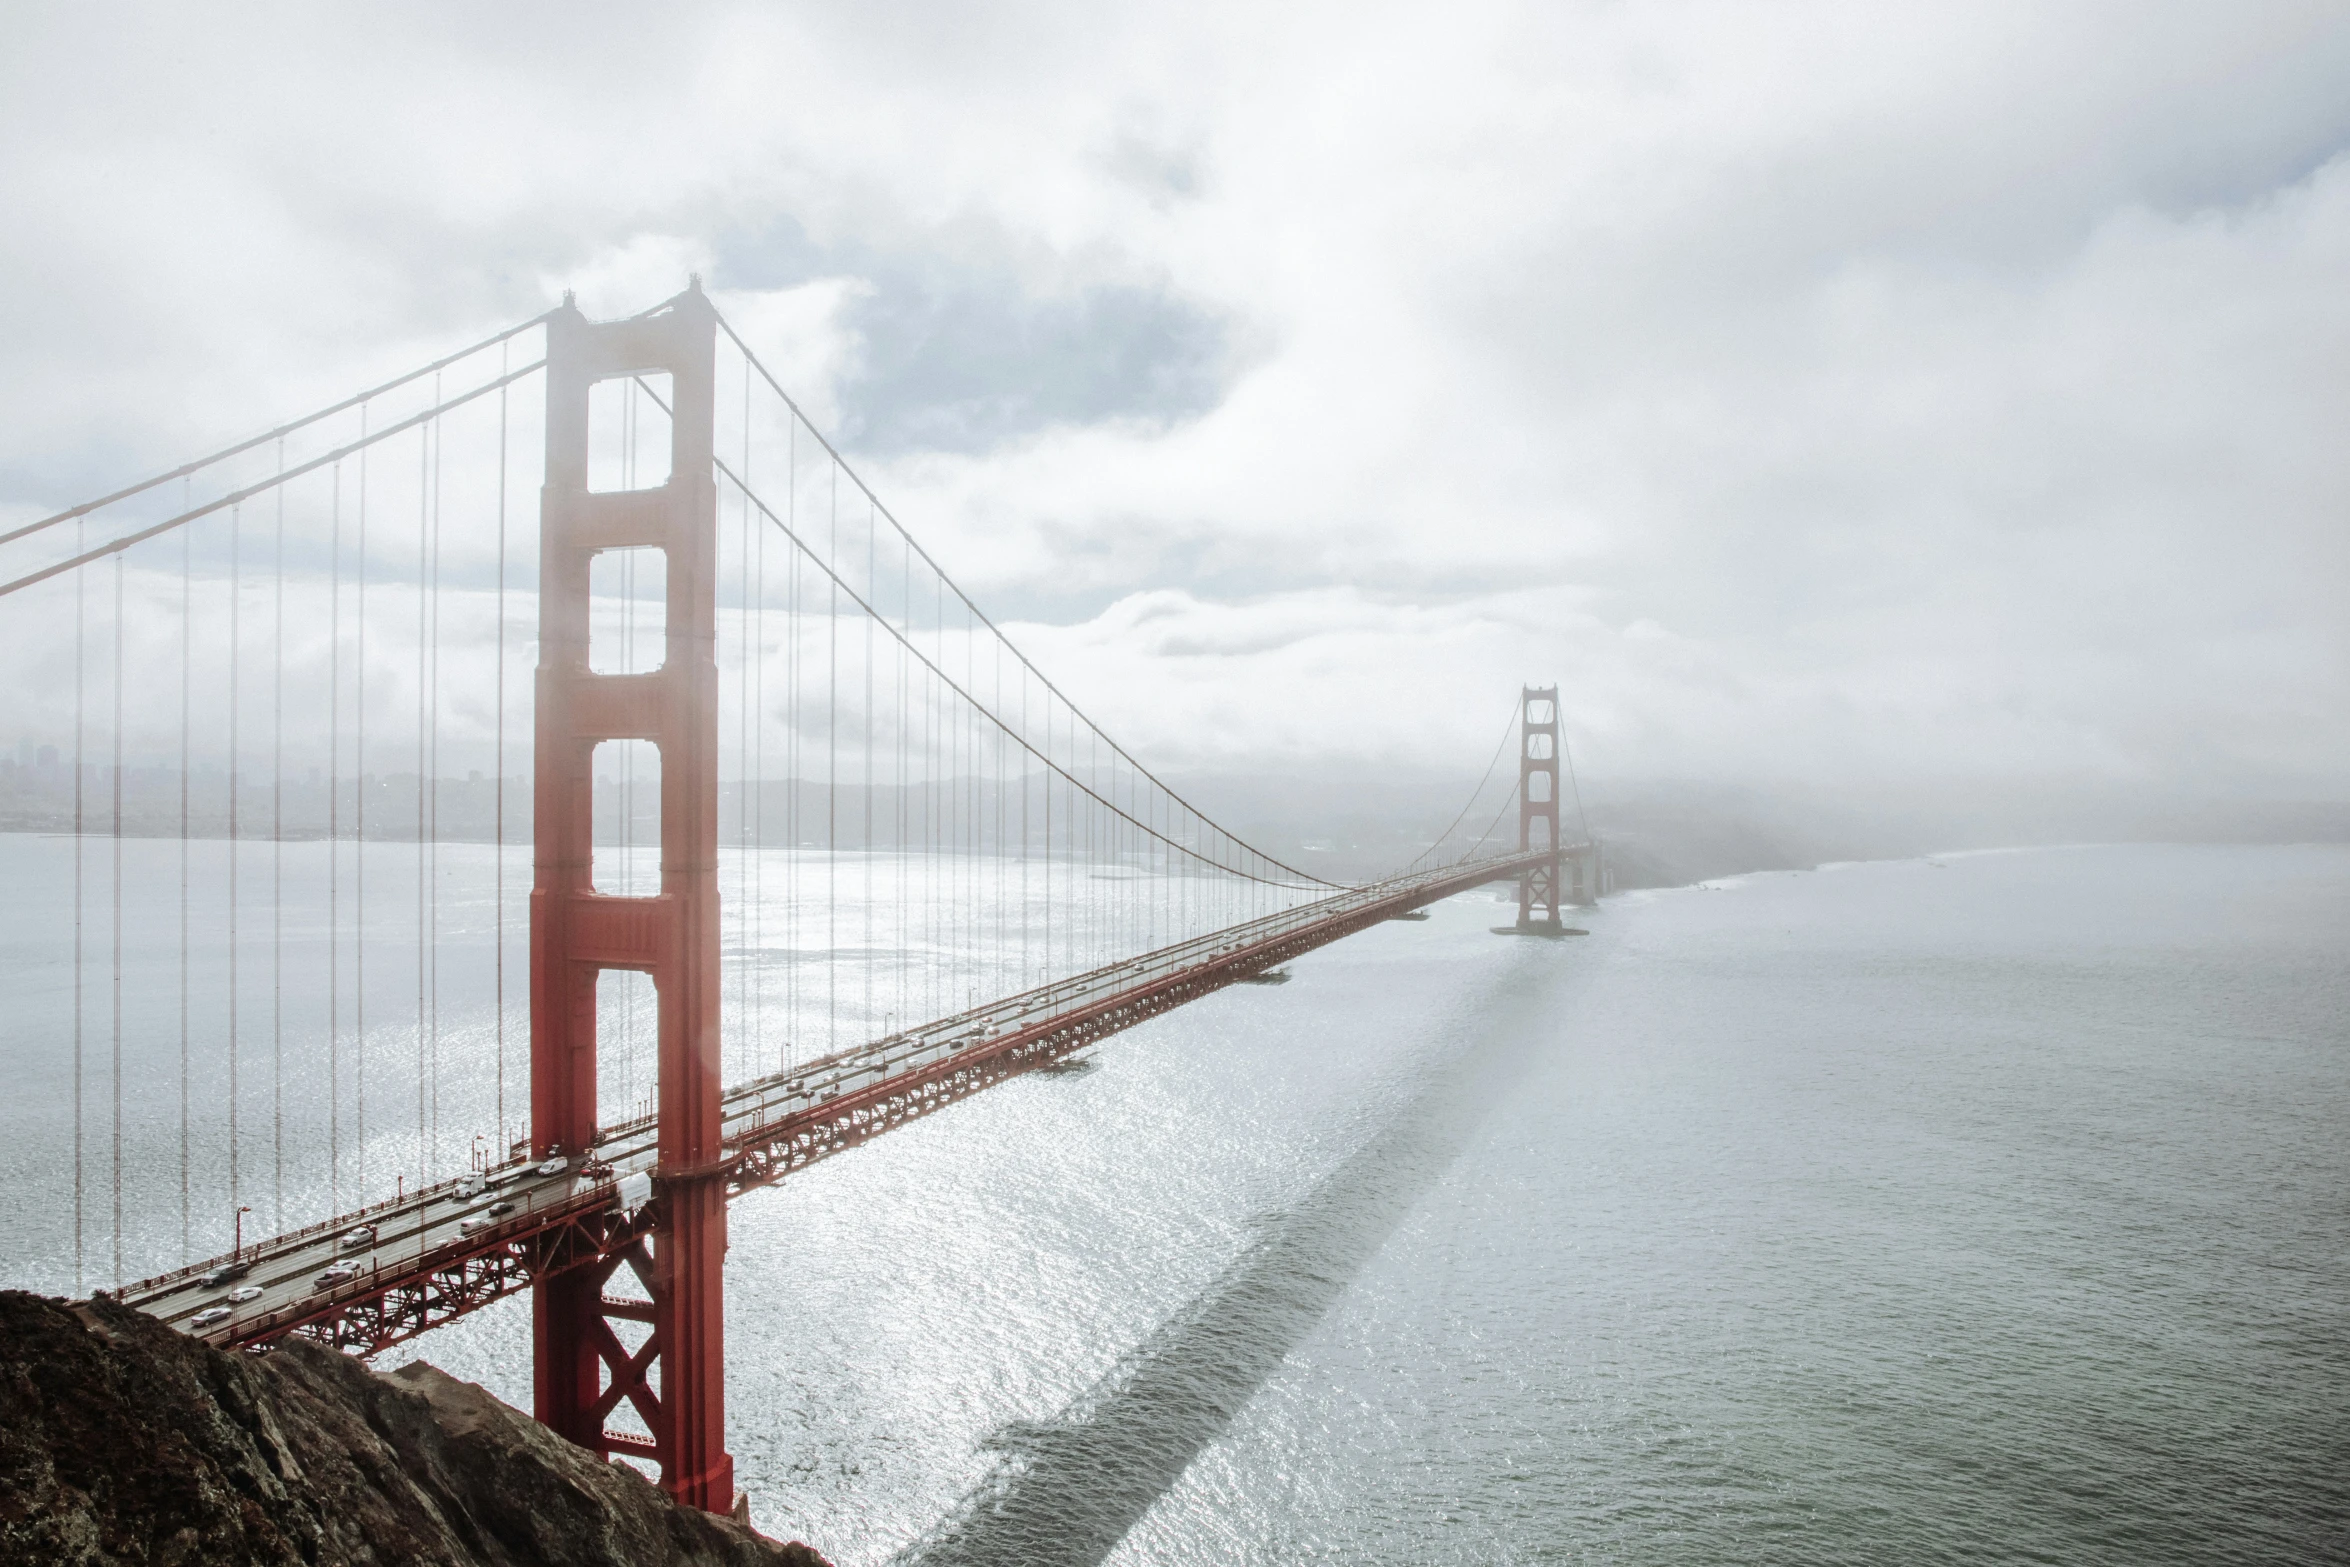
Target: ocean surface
1980, 1208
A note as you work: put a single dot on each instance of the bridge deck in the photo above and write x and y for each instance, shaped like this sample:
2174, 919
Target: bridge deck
428, 1257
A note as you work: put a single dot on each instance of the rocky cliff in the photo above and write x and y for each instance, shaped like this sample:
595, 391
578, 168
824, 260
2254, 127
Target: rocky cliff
124, 1441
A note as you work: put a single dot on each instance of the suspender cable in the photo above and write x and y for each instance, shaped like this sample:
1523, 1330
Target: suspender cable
80, 619
866, 961
979, 710
187, 656
236, 529
334, 851
832, 793
906, 614
498, 783
432, 786
841, 465
423, 720
359, 838
793, 818
115, 904
757, 960
277, 871
1507, 729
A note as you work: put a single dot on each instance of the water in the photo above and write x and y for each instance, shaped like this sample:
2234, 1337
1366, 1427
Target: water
270, 1059
1988, 1210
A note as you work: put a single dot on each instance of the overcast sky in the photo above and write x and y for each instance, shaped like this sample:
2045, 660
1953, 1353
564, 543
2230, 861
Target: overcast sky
1876, 395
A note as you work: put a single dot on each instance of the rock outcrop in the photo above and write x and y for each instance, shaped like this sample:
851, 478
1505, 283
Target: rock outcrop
124, 1441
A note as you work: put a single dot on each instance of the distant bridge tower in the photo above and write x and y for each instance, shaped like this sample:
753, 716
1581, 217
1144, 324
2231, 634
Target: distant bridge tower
675, 1379
1538, 806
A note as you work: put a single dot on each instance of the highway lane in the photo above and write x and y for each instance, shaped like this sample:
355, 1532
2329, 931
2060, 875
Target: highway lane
284, 1274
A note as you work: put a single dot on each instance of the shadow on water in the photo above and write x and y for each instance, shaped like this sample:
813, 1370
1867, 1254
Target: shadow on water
1063, 1492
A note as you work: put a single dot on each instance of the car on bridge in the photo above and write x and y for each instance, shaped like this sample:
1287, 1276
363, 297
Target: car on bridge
336, 1273
358, 1239
226, 1273
210, 1317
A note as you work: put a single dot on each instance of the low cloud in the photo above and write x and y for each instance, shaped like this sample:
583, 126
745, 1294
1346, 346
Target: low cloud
1826, 400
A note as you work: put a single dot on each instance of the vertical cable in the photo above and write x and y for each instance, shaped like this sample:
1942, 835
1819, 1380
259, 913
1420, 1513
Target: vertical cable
423, 734
832, 789
359, 838
758, 675
277, 869
498, 784
791, 732
872, 596
742, 766
1027, 919
236, 537
187, 656
906, 613
334, 850
433, 785
938, 832
80, 619
115, 904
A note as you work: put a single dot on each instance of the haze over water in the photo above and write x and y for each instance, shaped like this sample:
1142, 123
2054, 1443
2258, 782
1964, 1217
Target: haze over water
1986, 1210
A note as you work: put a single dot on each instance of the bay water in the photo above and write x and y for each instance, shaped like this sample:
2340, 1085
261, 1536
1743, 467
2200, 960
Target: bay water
1976, 1208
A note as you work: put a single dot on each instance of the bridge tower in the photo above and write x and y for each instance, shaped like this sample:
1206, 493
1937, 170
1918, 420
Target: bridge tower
1538, 806
675, 1379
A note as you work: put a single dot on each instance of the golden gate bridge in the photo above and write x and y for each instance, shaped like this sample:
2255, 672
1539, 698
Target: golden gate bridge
815, 851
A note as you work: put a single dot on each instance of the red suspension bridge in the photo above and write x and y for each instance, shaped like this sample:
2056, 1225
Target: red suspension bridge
814, 851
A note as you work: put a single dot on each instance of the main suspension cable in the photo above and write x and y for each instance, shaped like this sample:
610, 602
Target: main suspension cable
186, 469
855, 478
1474, 796
238, 497
841, 587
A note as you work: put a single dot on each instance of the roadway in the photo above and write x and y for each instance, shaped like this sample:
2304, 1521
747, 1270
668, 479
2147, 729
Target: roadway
426, 1241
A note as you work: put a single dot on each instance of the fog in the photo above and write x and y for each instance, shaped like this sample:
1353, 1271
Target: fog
1892, 428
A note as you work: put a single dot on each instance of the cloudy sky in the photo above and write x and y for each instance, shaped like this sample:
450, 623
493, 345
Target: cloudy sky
1828, 396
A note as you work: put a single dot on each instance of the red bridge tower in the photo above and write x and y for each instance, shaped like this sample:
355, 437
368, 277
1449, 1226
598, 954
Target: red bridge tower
1538, 806
675, 1380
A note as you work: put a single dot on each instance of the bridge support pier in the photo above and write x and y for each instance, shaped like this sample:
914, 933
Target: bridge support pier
1585, 875
673, 1376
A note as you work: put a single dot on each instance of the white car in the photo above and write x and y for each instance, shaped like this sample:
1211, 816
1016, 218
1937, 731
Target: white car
554, 1166
210, 1317
250, 1292
336, 1273
359, 1239
475, 1224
